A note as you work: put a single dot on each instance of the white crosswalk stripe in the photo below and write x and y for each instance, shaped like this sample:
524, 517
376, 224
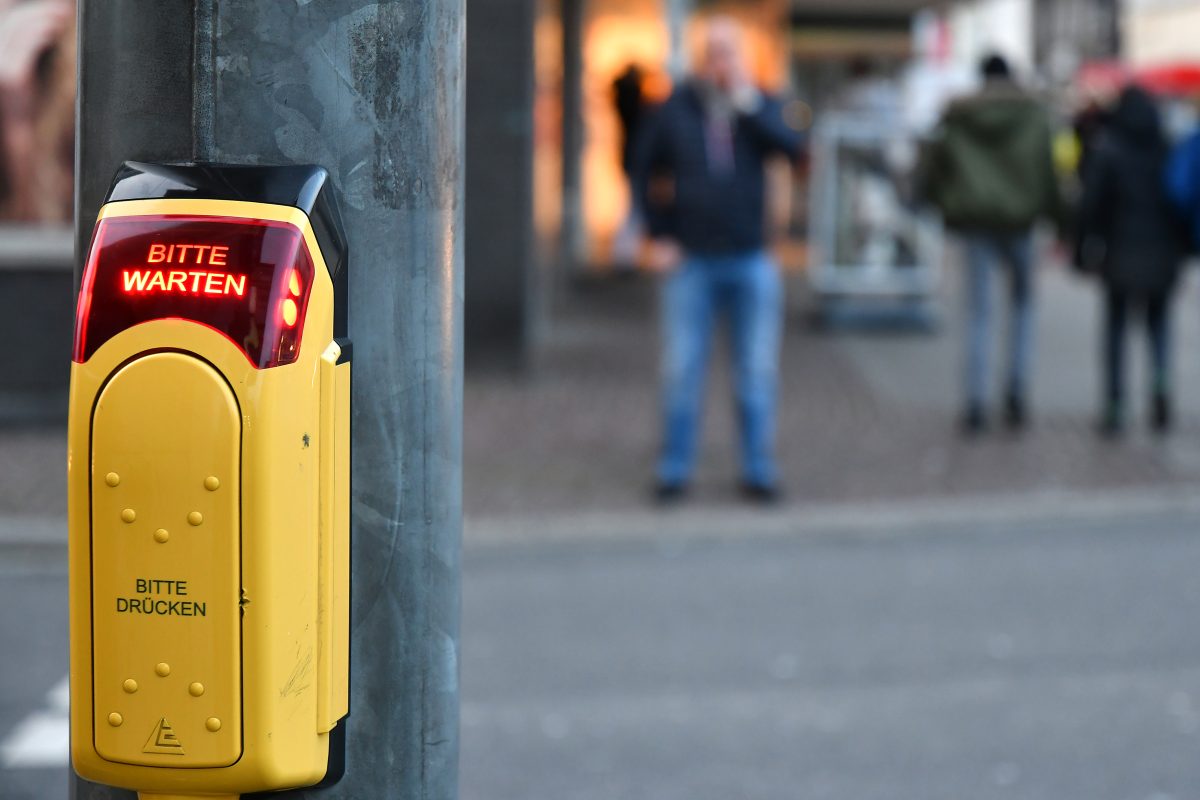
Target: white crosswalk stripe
41, 740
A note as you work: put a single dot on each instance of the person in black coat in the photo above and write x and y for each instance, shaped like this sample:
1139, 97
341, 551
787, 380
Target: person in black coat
631, 107
1133, 239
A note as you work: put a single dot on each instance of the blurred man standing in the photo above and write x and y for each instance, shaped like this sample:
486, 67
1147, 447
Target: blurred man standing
699, 173
991, 173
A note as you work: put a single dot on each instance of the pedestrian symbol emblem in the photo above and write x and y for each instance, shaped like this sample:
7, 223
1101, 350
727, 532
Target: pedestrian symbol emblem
162, 740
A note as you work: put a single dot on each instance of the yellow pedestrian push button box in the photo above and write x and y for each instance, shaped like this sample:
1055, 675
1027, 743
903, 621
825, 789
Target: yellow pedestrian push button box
208, 481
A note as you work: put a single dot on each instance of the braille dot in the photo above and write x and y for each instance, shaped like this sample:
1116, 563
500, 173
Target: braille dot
115, 719
212, 483
112, 479
213, 724
196, 689
162, 669
162, 535
130, 686
195, 518
128, 515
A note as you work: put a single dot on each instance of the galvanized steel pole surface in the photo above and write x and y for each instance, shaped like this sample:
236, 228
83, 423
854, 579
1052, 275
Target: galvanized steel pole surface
373, 91
573, 238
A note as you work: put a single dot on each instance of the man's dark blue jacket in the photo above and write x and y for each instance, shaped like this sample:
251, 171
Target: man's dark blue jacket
711, 211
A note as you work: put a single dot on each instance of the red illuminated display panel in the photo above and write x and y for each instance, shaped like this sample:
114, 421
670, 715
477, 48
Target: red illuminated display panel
248, 279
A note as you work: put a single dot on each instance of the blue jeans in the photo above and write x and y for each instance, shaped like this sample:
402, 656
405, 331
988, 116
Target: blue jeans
747, 290
984, 252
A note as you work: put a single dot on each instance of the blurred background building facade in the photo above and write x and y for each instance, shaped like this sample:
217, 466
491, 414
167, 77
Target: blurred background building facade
569, 127
37, 127
547, 200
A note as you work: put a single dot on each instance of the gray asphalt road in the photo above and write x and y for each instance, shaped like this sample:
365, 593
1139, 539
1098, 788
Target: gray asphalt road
1047, 662
33, 660
1056, 659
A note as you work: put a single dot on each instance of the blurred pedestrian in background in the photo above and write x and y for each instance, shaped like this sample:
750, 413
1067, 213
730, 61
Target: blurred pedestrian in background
1088, 124
701, 187
991, 172
1133, 239
630, 103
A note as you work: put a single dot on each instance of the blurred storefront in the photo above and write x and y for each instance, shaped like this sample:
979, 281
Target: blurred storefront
546, 192
1068, 34
824, 54
1156, 32
655, 37
812, 51
985, 26
37, 126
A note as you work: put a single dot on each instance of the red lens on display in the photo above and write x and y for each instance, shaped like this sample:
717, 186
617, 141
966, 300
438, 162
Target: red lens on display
248, 279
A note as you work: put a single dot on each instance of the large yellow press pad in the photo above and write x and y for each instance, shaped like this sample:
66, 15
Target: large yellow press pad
166, 572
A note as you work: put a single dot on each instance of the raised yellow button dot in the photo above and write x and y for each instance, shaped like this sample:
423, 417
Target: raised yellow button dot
162, 669
161, 535
112, 479
196, 689
195, 518
115, 719
213, 724
128, 515
130, 686
212, 483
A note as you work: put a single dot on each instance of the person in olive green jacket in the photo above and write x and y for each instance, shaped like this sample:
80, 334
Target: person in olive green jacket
990, 171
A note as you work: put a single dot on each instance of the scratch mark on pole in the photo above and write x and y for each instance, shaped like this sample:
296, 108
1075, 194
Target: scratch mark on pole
204, 81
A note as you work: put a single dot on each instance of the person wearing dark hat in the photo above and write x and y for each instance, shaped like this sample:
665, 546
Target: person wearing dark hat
991, 173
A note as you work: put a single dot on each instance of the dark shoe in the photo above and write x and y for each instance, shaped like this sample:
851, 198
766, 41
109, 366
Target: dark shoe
1161, 414
668, 493
974, 420
1016, 417
762, 493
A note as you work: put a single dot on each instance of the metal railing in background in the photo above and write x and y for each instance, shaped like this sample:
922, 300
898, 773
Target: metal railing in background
875, 252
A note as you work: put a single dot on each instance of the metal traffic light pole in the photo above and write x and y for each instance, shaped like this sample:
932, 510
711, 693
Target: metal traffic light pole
373, 91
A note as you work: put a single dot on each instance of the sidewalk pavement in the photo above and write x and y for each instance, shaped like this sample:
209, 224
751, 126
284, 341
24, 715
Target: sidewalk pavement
867, 419
29, 538
866, 416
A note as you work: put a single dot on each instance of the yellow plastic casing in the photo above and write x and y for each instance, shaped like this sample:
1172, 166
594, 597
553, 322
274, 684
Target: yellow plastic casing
217, 493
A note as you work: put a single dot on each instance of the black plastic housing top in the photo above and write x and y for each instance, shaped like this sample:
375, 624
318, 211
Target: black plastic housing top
306, 187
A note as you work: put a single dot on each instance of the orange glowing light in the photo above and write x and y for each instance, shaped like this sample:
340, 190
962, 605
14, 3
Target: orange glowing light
290, 312
294, 282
